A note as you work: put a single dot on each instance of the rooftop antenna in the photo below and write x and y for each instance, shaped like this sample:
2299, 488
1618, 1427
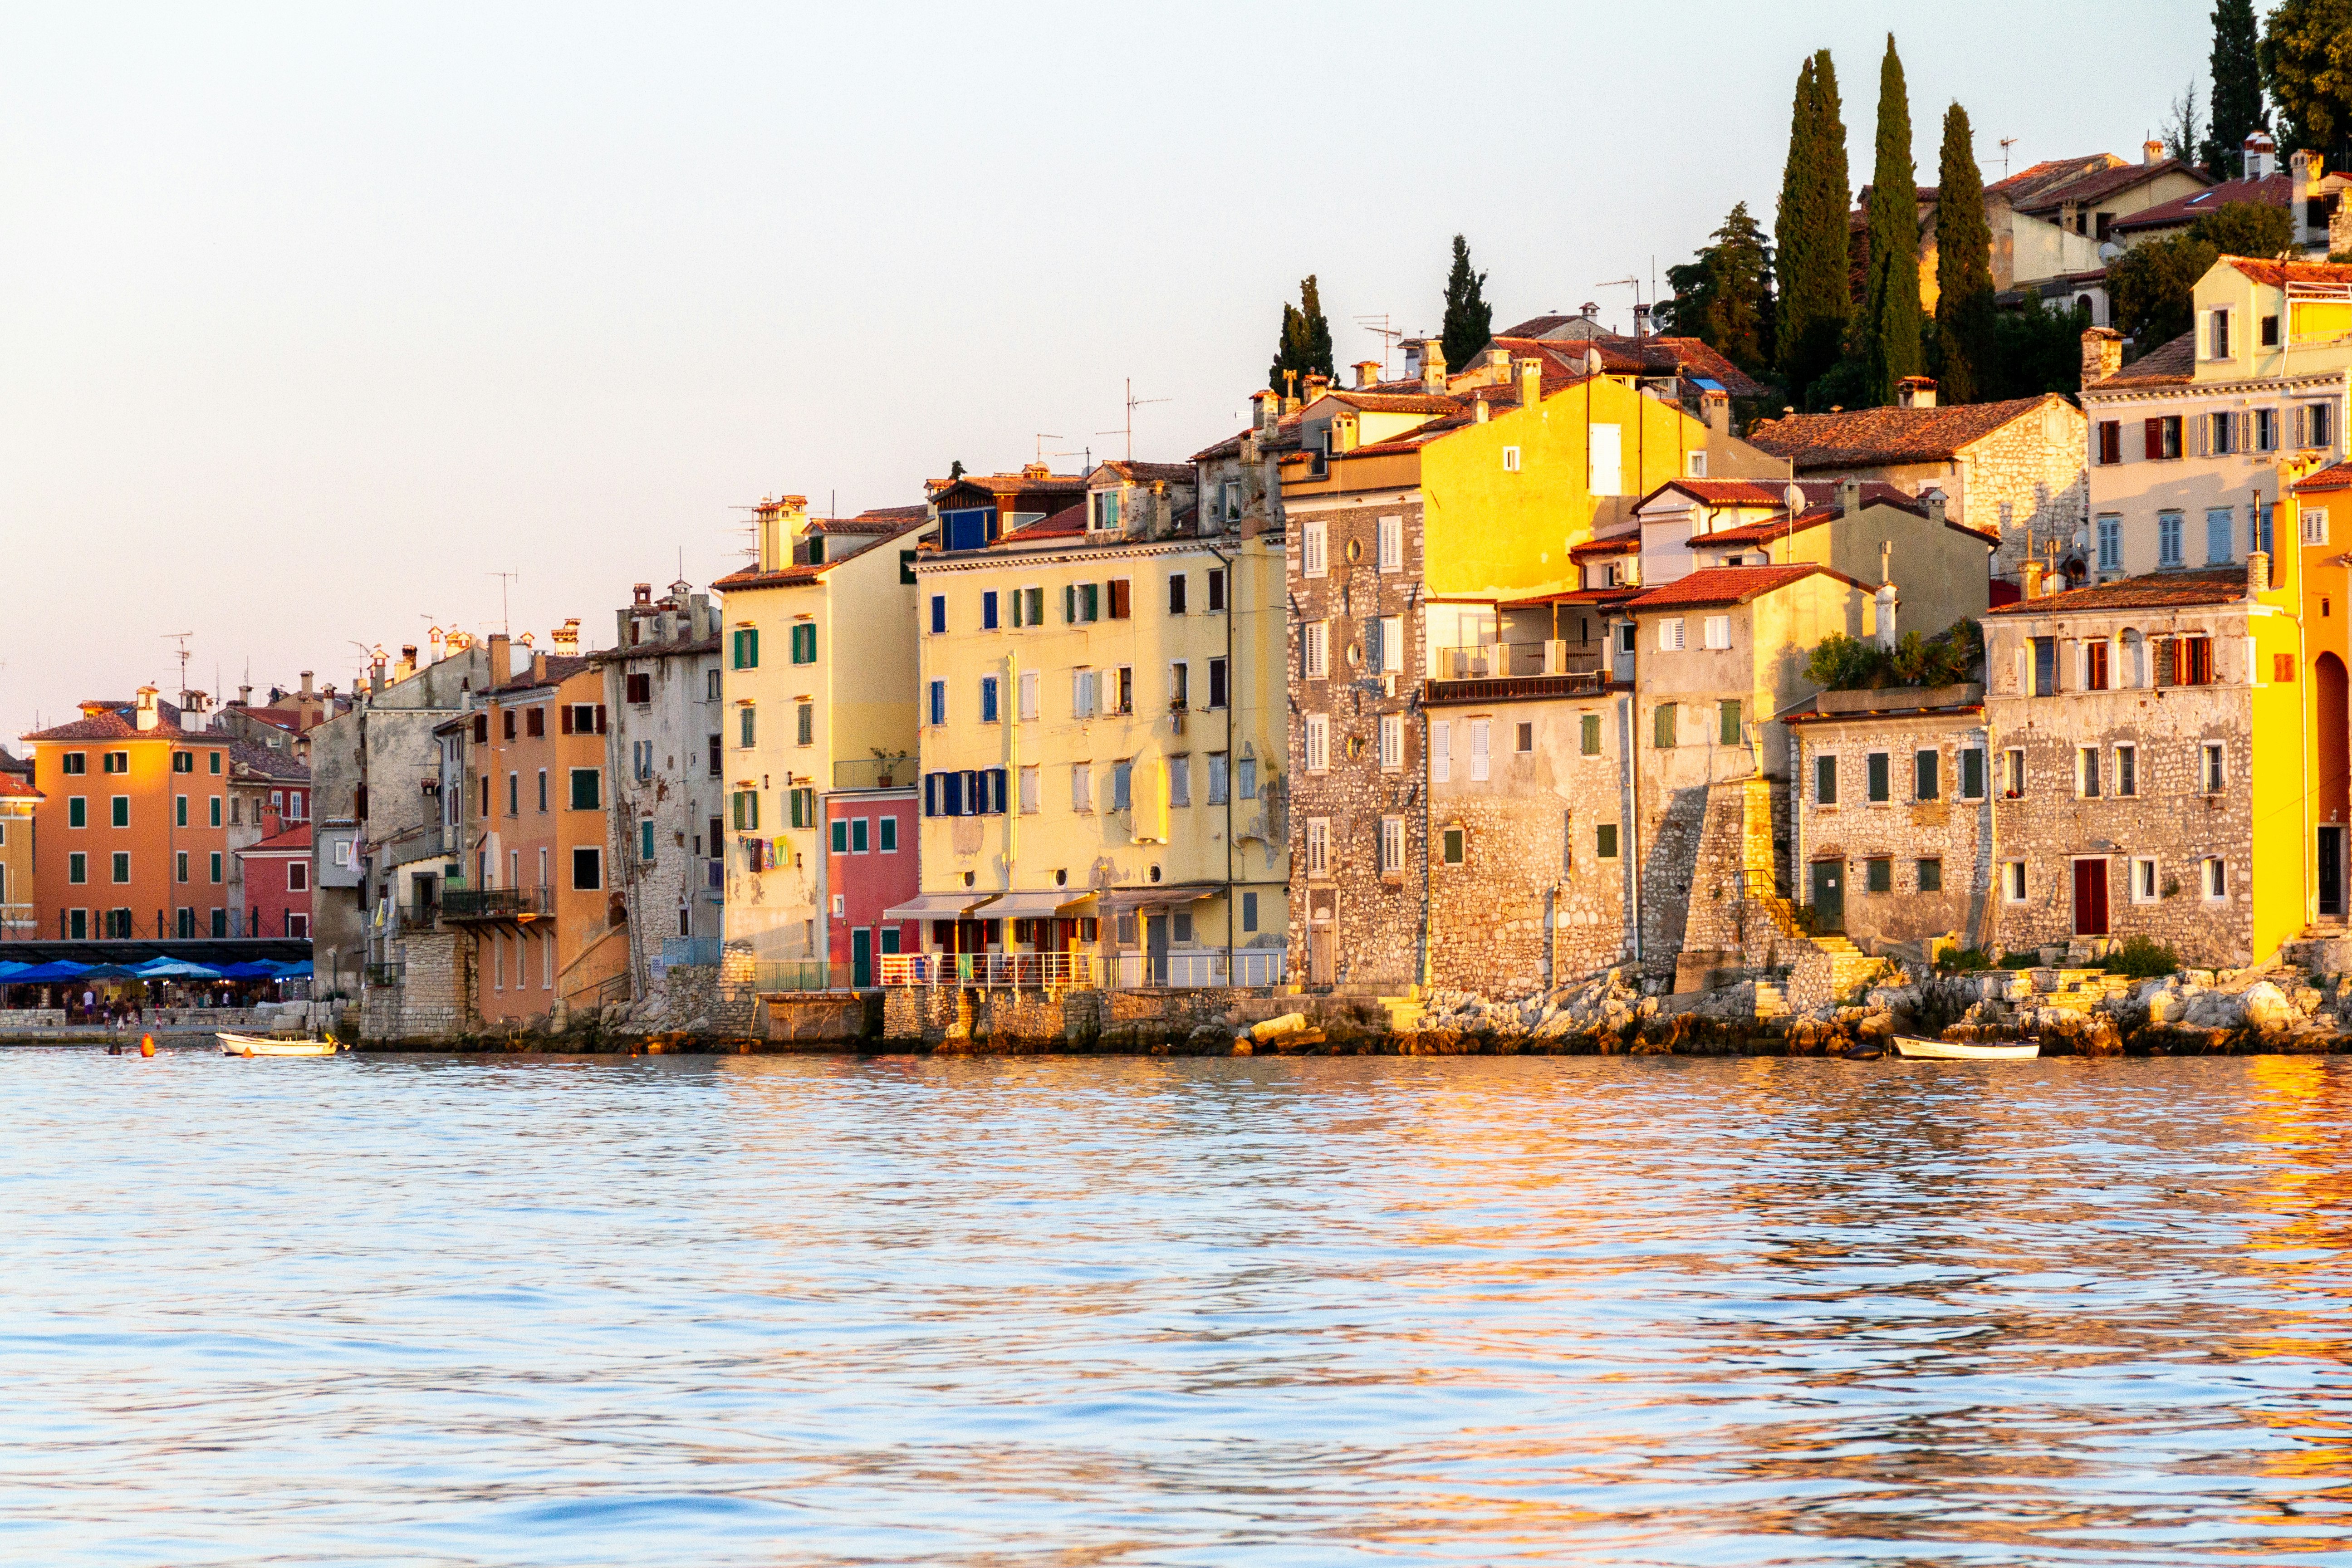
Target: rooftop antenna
1386, 334
1086, 452
1044, 436
505, 624
1133, 403
181, 638
2006, 143
1629, 282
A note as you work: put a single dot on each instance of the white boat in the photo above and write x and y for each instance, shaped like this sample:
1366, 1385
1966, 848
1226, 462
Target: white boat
263, 1046
1954, 1050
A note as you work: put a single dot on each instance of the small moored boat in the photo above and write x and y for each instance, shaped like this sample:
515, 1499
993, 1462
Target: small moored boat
263, 1046
1955, 1050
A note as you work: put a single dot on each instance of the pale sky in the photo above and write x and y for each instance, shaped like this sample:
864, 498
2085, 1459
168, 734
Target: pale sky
313, 318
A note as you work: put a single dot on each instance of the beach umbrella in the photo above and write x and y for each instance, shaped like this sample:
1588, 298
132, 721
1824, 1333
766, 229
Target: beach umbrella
175, 969
9, 970
44, 973
111, 972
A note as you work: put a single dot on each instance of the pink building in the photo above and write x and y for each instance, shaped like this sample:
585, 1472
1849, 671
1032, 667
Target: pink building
276, 872
870, 864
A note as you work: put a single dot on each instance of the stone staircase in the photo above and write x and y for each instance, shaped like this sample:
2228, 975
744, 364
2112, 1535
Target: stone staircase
1850, 971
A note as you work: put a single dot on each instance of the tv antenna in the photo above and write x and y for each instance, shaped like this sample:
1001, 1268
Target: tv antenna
1044, 436
1634, 283
181, 638
2006, 143
1386, 334
1133, 403
506, 580
1086, 452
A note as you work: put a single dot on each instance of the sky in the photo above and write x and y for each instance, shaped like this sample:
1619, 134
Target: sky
314, 319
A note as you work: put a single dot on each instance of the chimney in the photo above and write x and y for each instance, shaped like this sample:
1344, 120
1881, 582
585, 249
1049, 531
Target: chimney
780, 521
2103, 354
2028, 580
1368, 373
407, 665
1715, 408
191, 712
433, 644
1316, 384
565, 638
145, 716
1530, 377
1641, 323
1885, 614
2261, 155
501, 658
1935, 500
2151, 151
1849, 494
1478, 411
2258, 573
539, 669
245, 696
1265, 410
1413, 356
306, 693
1433, 366
1915, 391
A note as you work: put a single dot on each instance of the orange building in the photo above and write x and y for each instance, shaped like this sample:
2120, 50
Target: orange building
130, 836
537, 897
2319, 509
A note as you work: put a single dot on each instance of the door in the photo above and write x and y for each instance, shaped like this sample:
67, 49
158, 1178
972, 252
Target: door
1155, 944
2331, 871
2090, 898
1829, 895
861, 957
1322, 953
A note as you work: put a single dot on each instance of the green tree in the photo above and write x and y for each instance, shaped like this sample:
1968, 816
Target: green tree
2306, 58
2237, 69
1723, 297
2183, 131
1964, 312
1469, 325
1810, 231
1304, 346
2153, 285
1890, 325
2245, 228
2036, 349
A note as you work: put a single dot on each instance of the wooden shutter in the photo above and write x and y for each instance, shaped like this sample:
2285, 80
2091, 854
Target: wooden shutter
566, 711
1119, 604
2155, 439
600, 718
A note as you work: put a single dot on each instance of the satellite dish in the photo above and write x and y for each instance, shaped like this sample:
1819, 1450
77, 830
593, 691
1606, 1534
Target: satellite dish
1795, 497
2110, 250
1592, 361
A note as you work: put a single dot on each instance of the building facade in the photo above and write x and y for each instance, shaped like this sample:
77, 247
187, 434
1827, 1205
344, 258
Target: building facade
19, 889
873, 850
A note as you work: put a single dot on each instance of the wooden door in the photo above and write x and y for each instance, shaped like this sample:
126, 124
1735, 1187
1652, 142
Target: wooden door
1829, 895
2090, 897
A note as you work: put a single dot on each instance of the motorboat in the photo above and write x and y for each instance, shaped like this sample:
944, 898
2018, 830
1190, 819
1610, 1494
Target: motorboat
1961, 1051
263, 1046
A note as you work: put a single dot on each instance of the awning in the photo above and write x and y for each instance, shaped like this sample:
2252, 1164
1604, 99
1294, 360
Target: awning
1118, 899
1034, 906
938, 906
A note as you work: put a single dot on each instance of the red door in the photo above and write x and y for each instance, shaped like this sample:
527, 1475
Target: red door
2090, 898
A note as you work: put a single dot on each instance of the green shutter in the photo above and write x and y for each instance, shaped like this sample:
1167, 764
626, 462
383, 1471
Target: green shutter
1663, 726
1727, 714
1070, 603
1591, 734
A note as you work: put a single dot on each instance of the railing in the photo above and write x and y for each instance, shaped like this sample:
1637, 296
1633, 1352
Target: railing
870, 774
1246, 967
690, 950
1501, 661
1580, 683
495, 903
792, 974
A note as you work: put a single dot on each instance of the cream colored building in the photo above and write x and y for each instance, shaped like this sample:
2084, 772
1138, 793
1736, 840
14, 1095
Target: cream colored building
2186, 442
817, 658
19, 915
1103, 704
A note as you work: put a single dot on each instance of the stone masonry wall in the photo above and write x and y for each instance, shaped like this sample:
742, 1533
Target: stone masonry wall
1953, 831
2032, 473
431, 1001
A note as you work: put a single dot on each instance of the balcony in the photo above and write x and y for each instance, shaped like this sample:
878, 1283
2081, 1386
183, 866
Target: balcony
873, 773
497, 903
1487, 672
1085, 971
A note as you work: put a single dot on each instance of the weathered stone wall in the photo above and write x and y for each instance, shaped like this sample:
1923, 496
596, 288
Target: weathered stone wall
432, 1003
1376, 917
2032, 474
1853, 830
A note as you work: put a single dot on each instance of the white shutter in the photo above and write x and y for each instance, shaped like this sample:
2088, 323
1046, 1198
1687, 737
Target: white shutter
1479, 729
1441, 751
1607, 474
1392, 645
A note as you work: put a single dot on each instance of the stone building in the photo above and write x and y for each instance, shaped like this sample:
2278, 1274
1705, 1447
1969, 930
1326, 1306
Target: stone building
662, 751
2012, 469
2150, 770
1892, 814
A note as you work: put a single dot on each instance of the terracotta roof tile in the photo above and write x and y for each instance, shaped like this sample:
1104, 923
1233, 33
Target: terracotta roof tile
560, 668
1144, 473
2335, 478
117, 723
1733, 584
1599, 549
2028, 183
2097, 184
1868, 437
2170, 365
2270, 191
1773, 493
882, 522
12, 787
2210, 585
2279, 274
296, 837
276, 765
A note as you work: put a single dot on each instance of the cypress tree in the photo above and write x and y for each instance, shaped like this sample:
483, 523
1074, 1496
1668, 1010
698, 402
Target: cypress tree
1469, 319
1810, 230
2237, 88
1964, 314
1890, 343
1304, 345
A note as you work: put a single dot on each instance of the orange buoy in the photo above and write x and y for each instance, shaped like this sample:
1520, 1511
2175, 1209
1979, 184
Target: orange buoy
146, 1045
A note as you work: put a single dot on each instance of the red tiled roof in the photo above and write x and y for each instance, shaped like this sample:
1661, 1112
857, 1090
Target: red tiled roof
2097, 183
1069, 520
2029, 184
1869, 438
276, 766
1773, 493
1144, 473
1778, 527
1595, 549
2170, 365
118, 724
2279, 274
1733, 584
2335, 478
2163, 590
1621, 593
782, 577
1012, 484
882, 522
560, 668
12, 786
296, 837
2270, 191
1636, 356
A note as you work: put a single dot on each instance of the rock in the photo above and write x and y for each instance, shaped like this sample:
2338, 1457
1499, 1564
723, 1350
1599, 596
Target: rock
1274, 1029
2265, 1006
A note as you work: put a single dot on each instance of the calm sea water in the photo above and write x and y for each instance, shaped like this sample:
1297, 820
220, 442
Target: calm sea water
679, 1312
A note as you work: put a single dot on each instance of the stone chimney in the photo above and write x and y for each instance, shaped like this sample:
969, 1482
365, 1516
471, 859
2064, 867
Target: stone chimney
2151, 151
1886, 634
565, 638
1935, 500
1849, 494
2028, 580
145, 715
1265, 410
1316, 384
538, 669
1529, 372
501, 659
1433, 366
782, 521
1477, 411
1715, 408
245, 696
2258, 573
2103, 354
407, 665
2261, 155
1915, 391
1368, 373
433, 646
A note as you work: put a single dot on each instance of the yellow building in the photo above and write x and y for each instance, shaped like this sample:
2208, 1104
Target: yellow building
2318, 506
1103, 705
19, 915
818, 682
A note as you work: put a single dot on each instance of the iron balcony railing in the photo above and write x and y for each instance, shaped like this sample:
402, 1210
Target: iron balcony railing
496, 904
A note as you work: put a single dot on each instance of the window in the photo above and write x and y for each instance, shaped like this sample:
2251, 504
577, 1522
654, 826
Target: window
183, 762
2315, 525
2282, 670
2012, 781
1719, 631
2086, 772
1604, 841
1877, 786
514, 794
840, 835
2013, 881
804, 727
583, 719
1179, 687
1315, 645
2214, 878
1878, 875
1246, 783
2221, 431
2111, 544
1220, 778
2168, 539
587, 789
2267, 428
939, 702
1121, 695
1479, 732
1028, 696
2218, 530
1219, 692
1217, 595
1121, 605
2319, 425
77, 866
2095, 664
1391, 544
988, 699
76, 811
2212, 776
1392, 645
1176, 593
117, 761
1589, 735
1606, 474
805, 642
1670, 634
2111, 441
938, 614
587, 870
1028, 606
747, 648
1081, 602
1391, 742
1441, 750
1179, 780
2196, 661
2217, 334
1249, 911
120, 814
1726, 720
1695, 465
76, 761
1625, 634
2269, 332
1392, 847
1511, 462
2163, 436
1927, 774
2045, 666
1082, 786
1825, 781
1311, 545
2126, 770
179, 811
542, 789
1662, 726
801, 807
121, 866
861, 832
1931, 875
747, 725
2143, 882
1319, 845
1527, 739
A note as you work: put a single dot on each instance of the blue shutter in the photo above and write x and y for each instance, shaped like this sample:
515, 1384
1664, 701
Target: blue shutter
996, 791
930, 794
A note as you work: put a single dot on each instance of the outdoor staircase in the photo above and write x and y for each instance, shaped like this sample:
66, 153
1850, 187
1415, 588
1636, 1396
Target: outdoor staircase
1852, 971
